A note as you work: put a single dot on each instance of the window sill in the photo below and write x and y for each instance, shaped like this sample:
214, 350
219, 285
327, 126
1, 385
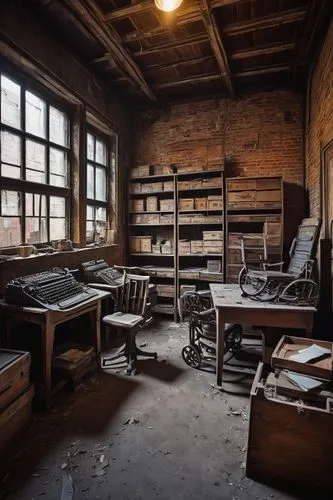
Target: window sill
5, 258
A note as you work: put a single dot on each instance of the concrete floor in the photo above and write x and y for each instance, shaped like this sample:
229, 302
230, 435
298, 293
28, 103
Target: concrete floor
164, 434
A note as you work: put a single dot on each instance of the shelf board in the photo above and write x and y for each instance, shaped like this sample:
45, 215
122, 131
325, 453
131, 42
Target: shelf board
260, 211
152, 193
200, 189
135, 179
200, 223
141, 254
151, 224
202, 255
153, 212
200, 172
201, 210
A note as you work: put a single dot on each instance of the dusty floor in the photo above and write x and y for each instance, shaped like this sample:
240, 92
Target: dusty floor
182, 440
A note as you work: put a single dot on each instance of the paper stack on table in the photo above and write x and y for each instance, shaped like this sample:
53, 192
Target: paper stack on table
309, 354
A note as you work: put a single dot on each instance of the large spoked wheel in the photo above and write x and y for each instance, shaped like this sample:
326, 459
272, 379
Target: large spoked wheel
251, 286
301, 292
270, 292
191, 356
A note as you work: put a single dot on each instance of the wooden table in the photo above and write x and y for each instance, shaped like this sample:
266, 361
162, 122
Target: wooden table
48, 320
231, 307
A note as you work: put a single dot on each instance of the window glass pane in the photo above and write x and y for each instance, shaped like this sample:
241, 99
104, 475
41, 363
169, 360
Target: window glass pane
58, 167
36, 229
100, 156
10, 203
90, 212
35, 205
57, 206
90, 182
35, 161
58, 127
57, 229
10, 148
35, 110
90, 147
101, 214
10, 231
10, 102
100, 184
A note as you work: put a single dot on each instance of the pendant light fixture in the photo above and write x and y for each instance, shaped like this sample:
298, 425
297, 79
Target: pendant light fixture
167, 5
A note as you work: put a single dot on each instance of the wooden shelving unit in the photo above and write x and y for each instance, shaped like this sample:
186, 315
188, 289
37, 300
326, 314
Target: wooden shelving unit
254, 205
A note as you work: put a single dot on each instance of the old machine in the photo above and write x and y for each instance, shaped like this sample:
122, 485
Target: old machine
98, 271
202, 330
56, 289
265, 281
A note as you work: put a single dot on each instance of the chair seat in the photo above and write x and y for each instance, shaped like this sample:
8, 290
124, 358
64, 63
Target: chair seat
123, 320
273, 274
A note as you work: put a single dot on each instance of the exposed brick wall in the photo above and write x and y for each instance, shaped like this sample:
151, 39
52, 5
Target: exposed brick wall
250, 133
319, 128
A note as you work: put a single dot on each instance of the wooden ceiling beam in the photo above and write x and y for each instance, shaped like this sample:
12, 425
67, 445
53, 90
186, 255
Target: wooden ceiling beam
92, 17
160, 30
184, 62
217, 46
188, 81
148, 5
287, 17
263, 50
263, 71
174, 44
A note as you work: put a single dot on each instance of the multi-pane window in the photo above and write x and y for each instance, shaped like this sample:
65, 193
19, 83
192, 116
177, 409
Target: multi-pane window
34, 153
97, 184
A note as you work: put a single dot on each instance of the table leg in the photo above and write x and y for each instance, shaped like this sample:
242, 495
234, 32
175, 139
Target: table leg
95, 316
220, 325
47, 343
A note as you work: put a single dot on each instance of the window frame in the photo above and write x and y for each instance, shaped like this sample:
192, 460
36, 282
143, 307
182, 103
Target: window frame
22, 185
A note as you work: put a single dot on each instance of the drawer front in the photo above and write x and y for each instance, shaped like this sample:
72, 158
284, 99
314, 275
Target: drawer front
241, 184
268, 183
273, 195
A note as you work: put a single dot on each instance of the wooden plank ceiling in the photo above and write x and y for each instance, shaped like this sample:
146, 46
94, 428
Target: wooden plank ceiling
224, 47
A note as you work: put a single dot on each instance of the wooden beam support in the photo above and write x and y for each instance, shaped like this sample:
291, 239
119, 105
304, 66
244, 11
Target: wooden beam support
263, 50
188, 81
159, 30
183, 62
149, 5
92, 17
287, 17
263, 71
217, 46
174, 44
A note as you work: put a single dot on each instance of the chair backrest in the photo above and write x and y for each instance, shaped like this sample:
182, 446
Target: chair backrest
253, 250
134, 293
304, 245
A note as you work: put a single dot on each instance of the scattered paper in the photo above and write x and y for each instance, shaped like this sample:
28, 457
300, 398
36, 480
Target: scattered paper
303, 382
309, 353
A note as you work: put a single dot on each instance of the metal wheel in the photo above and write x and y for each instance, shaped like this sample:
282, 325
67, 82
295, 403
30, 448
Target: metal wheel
251, 286
191, 356
270, 292
301, 292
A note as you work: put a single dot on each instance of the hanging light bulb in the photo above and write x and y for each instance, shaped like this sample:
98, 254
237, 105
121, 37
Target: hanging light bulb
168, 5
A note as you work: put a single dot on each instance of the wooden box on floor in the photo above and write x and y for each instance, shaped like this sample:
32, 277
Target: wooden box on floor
15, 417
290, 444
14, 375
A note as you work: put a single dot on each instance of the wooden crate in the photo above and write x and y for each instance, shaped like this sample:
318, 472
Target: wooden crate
200, 203
135, 187
151, 203
15, 417
184, 247
146, 187
234, 239
186, 204
168, 186
212, 182
198, 218
241, 205
212, 235
214, 266
186, 274
165, 274
273, 195
241, 196
213, 246
146, 242
165, 290
166, 247
215, 203
143, 170
135, 244
139, 219
185, 219
14, 375
153, 218
195, 184
158, 169
241, 184
207, 276
156, 248
289, 444
322, 368
213, 218
135, 172
183, 185
156, 187
167, 205
167, 219
267, 204
137, 205
268, 183
187, 288
196, 246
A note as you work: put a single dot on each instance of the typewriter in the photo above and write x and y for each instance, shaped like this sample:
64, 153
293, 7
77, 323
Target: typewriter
56, 289
98, 271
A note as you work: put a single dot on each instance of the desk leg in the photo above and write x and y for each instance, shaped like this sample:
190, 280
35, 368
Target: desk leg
47, 342
95, 316
220, 325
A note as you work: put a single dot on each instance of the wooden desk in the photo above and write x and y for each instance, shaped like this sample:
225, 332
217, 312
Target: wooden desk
231, 307
48, 320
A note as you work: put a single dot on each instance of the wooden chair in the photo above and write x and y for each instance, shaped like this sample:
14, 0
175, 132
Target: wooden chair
260, 281
130, 317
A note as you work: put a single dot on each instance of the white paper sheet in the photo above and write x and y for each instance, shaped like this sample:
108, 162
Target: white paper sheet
309, 353
303, 382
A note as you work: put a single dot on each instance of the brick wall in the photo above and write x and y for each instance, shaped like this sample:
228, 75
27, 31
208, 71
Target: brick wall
251, 133
319, 127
